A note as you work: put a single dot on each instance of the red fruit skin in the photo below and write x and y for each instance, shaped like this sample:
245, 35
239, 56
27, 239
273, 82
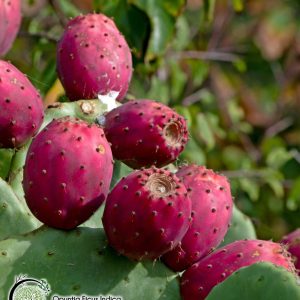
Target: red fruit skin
211, 212
10, 13
147, 214
145, 127
67, 172
197, 281
292, 241
22, 112
93, 58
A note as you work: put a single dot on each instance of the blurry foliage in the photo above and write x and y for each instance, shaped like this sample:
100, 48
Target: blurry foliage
232, 68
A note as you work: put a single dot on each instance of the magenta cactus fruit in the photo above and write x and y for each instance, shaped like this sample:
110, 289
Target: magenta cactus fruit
201, 277
67, 173
10, 21
147, 214
292, 241
21, 113
152, 133
211, 212
93, 58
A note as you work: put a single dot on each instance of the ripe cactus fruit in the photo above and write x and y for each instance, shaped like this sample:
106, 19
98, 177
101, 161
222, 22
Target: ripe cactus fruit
292, 241
67, 172
93, 58
147, 214
211, 212
201, 277
10, 14
152, 133
21, 112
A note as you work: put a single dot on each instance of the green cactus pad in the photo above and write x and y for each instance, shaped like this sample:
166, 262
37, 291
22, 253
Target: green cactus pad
241, 228
5, 161
87, 110
15, 218
80, 262
261, 281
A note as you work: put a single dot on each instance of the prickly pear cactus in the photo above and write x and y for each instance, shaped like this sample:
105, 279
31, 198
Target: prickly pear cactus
15, 218
5, 161
80, 262
87, 110
260, 281
241, 228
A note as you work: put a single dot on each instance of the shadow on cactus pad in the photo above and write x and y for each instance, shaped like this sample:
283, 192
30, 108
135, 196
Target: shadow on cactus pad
80, 262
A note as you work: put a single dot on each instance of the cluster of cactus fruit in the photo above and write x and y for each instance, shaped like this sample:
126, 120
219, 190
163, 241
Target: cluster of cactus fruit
62, 173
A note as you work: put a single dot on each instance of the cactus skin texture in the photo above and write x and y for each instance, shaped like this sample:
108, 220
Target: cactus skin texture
67, 172
152, 133
21, 112
147, 214
292, 241
197, 281
79, 262
15, 217
211, 212
93, 58
10, 21
241, 228
260, 281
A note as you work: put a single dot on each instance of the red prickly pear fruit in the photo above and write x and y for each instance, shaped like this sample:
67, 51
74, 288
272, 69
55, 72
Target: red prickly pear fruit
292, 241
211, 212
152, 133
147, 214
67, 172
198, 280
93, 58
10, 21
22, 112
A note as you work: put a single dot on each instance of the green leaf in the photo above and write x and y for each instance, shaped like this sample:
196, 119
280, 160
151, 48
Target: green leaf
162, 15
178, 80
278, 157
250, 187
204, 131
209, 9
293, 199
238, 5
193, 153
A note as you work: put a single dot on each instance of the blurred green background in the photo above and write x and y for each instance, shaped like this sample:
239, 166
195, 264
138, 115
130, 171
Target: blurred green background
232, 68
